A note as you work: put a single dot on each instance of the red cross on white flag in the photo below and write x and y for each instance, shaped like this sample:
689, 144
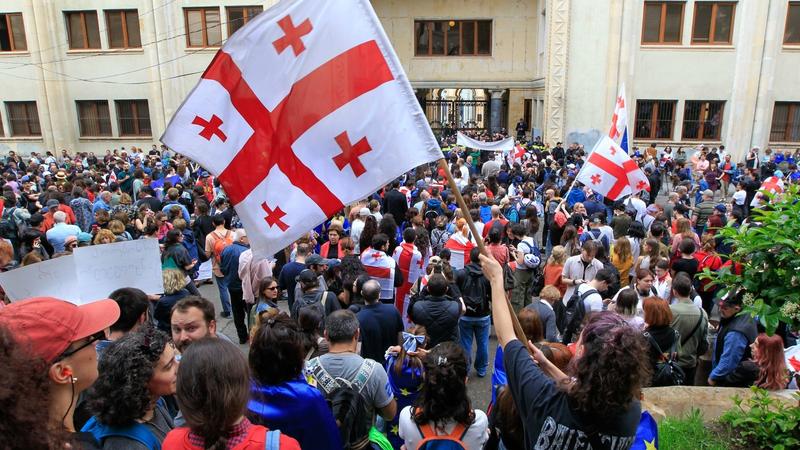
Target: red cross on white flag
611, 172
619, 121
303, 110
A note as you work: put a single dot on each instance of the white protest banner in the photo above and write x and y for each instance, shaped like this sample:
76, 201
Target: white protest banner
51, 278
505, 145
103, 268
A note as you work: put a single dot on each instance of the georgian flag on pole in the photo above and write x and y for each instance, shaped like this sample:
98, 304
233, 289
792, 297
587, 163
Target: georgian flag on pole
610, 172
303, 110
619, 121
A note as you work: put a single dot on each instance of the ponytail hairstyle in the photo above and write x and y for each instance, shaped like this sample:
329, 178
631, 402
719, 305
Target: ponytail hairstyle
613, 367
414, 362
213, 389
444, 392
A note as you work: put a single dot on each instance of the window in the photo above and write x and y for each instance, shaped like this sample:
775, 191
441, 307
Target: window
662, 23
82, 29
203, 28
133, 117
12, 33
792, 33
713, 23
453, 37
785, 122
702, 120
238, 16
93, 118
23, 117
654, 119
123, 29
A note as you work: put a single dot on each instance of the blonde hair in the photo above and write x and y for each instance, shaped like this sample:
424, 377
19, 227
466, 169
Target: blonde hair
558, 256
174, 280
103, 234
622, 248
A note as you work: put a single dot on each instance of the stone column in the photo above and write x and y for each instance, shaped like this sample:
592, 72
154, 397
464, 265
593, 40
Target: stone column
495, 109
555, 103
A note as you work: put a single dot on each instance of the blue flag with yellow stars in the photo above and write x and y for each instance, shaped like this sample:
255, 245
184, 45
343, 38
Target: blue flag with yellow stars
646, 434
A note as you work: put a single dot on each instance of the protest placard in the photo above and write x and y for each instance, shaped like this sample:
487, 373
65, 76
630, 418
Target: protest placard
51, 278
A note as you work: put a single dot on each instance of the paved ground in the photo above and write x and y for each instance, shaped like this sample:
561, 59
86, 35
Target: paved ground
479, 388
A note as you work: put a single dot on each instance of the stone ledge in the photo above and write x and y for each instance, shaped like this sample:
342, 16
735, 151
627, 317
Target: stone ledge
676, 401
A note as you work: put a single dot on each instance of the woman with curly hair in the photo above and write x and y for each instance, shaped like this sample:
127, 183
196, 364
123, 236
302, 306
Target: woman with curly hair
104, 237
369, 231
134, 373
388, 226
280, 398
443, 407
607, 374
213, 389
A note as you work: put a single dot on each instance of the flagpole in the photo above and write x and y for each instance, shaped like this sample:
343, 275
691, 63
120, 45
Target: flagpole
479, 240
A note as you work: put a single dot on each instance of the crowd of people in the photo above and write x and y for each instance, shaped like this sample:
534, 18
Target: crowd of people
364, 333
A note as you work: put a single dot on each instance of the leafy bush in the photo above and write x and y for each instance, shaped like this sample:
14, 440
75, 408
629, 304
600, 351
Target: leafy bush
688, 433
764, 422
769, 253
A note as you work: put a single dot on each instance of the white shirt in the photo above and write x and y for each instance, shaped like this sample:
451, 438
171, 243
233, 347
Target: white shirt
639, 205
474, 439
592, 302
355, 233
739, 197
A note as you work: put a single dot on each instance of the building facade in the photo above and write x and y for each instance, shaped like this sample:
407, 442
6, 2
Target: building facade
93, 75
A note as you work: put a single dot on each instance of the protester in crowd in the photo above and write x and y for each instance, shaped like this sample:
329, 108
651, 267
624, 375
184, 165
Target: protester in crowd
622, 259
768, 355
59, 339
554, 269
476, 321
380, 324
313, 296
310, 322
134, 373
608, 376
213, 388
405, 372
545, 308
625, 306
174, 290
534, 329
732, 345
528, 259
437, 312
267, 300
687, 263
216, 241
691, 323
580, 268
343, 365
642, 285
229, 265
663, 339
443, 408
280, 397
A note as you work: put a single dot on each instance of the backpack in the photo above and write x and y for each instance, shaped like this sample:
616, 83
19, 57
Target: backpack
574, 314
9, 229
219, 245
432, 441
667, 373
439, 238
522, 208
512, 214
136, 432
318, 304
430, 218
345, 400
474, 292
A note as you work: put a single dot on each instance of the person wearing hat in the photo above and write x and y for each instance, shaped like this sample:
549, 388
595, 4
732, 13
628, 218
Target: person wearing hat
732, 344
703, 210
313, 296
62, 335
54, 205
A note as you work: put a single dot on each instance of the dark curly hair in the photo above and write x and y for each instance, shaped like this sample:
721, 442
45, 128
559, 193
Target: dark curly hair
24, 394
120, 395
277, 351
444, 392
370, 230
213, 389
613, 368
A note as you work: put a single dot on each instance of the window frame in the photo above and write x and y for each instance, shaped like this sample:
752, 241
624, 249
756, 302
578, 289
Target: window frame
81, 132
654, 118
204, 30
125, 35
27, 104
704, 106
135, 117
245, 17
794, 109
85, 30
662, 27
11, 33
428, 23
789, 6
713, 23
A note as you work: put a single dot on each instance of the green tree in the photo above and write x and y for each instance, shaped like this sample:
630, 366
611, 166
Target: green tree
768, 252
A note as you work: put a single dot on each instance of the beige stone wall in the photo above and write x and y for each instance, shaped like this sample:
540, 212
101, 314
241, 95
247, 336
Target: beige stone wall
514, 40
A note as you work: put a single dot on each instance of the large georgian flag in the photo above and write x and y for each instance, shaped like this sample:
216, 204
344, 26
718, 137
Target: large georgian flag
303, 110
610, 172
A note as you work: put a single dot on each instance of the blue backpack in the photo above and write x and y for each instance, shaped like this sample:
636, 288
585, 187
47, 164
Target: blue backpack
137, 432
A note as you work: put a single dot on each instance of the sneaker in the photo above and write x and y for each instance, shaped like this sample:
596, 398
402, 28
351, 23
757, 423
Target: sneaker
481, 375
225, 314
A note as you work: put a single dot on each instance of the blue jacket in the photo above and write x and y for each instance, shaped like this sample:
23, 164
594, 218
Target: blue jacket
229, 264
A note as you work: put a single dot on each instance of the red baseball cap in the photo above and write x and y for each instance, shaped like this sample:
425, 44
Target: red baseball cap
48, 325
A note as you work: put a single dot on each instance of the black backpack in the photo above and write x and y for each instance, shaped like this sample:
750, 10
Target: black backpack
345, 400
667, 373
319, 303
574, 314
9, 228
474, 293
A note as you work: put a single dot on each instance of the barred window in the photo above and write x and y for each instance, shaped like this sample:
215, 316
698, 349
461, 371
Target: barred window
133, 117
785, 122
654, 119
702, 120
453, 37
23, 118
94, 118
238, 16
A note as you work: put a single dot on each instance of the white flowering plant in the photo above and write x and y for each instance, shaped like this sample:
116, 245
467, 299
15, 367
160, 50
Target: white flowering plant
766, 261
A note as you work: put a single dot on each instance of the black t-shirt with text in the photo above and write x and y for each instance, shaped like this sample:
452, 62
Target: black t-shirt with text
549, 421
